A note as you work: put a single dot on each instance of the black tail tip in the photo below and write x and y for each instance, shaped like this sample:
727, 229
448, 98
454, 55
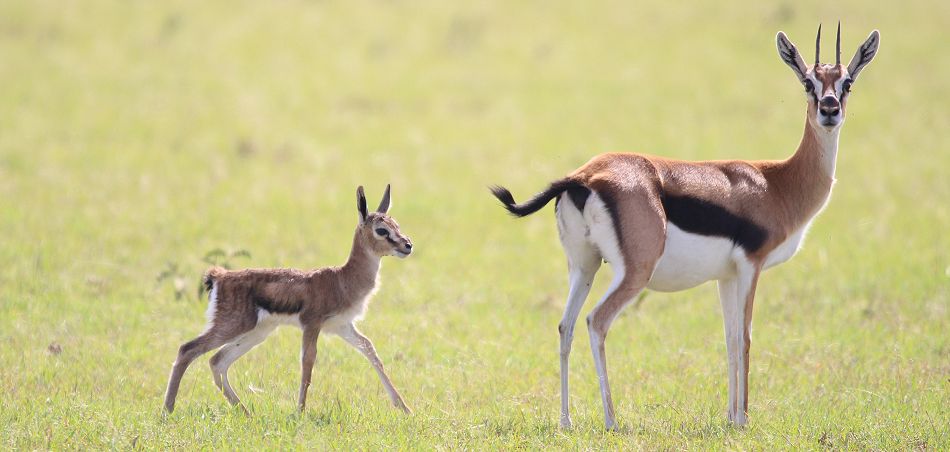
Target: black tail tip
207, 282
503, 195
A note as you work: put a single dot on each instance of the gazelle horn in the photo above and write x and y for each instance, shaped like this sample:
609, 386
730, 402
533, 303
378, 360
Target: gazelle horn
838, 46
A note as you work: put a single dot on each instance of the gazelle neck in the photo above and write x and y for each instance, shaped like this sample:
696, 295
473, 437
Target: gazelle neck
805, 179
817, 153
362, 264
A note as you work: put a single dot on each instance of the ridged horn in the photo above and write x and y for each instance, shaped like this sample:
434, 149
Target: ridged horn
838, 46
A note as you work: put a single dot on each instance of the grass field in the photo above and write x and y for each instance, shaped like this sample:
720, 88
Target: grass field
136, 137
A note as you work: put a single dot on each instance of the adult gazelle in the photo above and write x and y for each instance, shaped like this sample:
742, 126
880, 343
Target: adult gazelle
670, 225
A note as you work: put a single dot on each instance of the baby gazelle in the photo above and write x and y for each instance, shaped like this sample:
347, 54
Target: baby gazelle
245, 306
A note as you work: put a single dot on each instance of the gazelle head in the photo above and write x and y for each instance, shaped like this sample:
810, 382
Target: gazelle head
379, 231
827, 86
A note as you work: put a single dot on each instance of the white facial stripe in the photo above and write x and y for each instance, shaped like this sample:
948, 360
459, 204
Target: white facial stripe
815, 83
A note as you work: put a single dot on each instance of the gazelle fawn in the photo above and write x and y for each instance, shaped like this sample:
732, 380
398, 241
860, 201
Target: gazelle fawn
245, 306
670, 225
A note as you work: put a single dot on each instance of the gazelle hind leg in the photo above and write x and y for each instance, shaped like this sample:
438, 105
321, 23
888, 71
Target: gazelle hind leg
581, 280
633, 249
583, 261
222, 360
187, 353
623, 290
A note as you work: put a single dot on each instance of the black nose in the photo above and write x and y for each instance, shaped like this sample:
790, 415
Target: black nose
829, 106
408, 246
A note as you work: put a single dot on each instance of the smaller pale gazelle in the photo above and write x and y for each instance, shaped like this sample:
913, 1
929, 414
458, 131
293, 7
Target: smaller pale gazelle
245, 306
670, 225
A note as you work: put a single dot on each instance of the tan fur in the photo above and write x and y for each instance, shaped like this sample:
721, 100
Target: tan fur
325, 297
780, 196
828, 74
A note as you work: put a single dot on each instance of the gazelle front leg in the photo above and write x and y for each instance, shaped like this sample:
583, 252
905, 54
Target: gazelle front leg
736, 296
730, 319
745, 299
308, 356
351, 335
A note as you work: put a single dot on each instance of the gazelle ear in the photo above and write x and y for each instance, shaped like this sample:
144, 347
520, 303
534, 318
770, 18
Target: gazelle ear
361, 203
384, 204
789, 54
865, 54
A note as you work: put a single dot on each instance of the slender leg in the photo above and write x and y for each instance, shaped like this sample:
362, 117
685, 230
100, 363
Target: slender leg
581, 277
308, 356
351, 335
186, 355
746, 295
221, 361
632, 245
622, 291
730, 316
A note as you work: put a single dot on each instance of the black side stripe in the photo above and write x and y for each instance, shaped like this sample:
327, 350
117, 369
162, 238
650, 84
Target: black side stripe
277, 308
705, 218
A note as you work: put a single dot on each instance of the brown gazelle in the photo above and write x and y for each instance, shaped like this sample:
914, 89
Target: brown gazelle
245, 306
669, 225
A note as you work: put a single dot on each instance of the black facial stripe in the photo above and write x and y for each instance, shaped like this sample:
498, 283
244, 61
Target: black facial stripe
810, 88
391, 241
705, 218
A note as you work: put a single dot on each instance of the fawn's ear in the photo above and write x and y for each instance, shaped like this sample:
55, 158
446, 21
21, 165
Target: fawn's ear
361, 203
385, 203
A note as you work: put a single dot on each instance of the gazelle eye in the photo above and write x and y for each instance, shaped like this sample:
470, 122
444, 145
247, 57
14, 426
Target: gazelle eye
382, 232
809, 86
846, 86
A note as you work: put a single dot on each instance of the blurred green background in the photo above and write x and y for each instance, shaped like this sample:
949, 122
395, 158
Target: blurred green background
136, 137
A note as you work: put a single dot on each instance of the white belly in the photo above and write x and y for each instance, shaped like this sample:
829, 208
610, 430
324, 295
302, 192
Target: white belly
265, 318
689, 260
787, 249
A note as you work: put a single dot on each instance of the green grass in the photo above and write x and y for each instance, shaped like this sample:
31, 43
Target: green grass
138, 134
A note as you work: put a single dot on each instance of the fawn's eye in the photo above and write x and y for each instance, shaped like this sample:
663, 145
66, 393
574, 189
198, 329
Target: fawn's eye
809, 86
846, 86
382, 232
